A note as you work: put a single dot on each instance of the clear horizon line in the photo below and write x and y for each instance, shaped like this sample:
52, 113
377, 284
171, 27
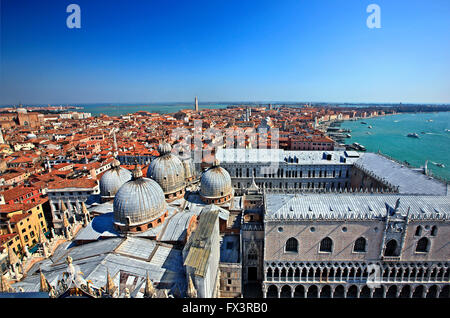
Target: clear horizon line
222, 102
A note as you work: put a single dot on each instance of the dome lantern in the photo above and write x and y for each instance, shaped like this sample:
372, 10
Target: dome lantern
164, 148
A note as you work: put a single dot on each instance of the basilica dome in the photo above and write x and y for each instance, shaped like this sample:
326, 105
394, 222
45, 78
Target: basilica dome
112, 180
216, 185
168, 171
139, 204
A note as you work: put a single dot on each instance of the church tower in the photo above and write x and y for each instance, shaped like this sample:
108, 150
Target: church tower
196, 104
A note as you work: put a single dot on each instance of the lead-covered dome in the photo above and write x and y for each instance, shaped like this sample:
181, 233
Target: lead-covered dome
216, 184
138, 202
113, 179
168, 171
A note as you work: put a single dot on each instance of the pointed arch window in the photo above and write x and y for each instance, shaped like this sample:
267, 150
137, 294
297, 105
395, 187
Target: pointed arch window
360, 245
434, 230
391, 248
326, 245
418, 231
423, 245
291, 245
252, 255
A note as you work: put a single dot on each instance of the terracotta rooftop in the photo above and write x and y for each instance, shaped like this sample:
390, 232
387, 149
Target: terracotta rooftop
8, 208
6, 237
17, 192
72, 183
18, 217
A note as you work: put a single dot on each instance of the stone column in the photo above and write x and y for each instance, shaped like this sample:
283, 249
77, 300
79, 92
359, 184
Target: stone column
439, 290
424, 291
399, 290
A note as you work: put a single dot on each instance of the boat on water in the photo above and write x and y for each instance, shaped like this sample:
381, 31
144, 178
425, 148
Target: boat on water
364, 123
413, 135
348, 136
368, 133
369, 126
430, 120
358, 146
440, 165
395, 121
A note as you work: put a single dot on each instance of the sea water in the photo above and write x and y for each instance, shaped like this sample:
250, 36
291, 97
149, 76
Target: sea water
389, 136
124, 109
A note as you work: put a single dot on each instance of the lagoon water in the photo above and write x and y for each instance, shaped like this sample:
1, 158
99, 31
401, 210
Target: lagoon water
389, 136
123, 109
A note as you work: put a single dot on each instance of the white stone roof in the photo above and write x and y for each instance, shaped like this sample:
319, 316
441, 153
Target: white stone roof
242, 155
120, 257
176, 227
353, 206
408, 181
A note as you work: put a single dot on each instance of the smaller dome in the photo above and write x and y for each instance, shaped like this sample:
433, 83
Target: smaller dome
31, 136
215, 182
113, 179
168, 171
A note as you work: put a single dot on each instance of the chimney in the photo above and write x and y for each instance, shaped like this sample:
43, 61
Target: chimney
10, 231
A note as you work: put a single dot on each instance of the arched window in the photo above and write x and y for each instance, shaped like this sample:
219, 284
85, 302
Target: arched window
360, 245
418, 231
422, 245
252, 255
291, 245
326, 245
391, 248
434, 230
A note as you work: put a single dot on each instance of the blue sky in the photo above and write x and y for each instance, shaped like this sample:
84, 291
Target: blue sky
224, 50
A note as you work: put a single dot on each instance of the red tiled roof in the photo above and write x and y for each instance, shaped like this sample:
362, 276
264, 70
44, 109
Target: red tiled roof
72, 183
62, 165
8, 208
17, 192
18, 217
6, 237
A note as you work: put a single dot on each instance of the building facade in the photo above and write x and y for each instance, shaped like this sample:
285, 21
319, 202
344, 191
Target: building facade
67, 197
383, 246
